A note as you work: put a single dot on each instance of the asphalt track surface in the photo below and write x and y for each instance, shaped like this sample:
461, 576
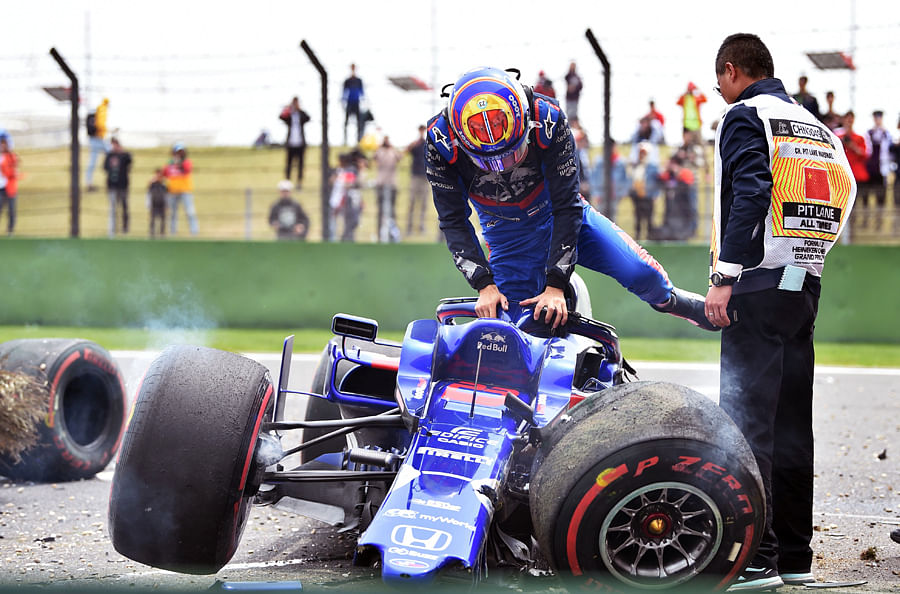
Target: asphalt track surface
56, 535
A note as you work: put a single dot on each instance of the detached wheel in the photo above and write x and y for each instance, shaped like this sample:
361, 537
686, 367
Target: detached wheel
85, 408
187, 470
647, 485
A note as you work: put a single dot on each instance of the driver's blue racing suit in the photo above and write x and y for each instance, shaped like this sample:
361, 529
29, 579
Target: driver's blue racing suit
533, 219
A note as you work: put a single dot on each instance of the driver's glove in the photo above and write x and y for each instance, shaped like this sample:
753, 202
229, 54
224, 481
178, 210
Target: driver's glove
689, 306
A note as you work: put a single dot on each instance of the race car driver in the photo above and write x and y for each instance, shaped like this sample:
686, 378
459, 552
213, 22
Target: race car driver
510, 153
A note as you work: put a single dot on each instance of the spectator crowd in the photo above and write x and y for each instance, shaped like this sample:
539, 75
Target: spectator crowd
661, 179
873, 155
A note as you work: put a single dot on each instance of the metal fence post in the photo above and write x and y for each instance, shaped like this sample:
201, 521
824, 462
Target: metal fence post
606, 208
326, 215
75, 182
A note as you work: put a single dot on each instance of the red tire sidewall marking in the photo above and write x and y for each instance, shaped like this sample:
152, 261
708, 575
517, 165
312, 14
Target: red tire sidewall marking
739, 562
249, 457
51, 413
601, 482
107, 365
247, 460
698, 467
60, 439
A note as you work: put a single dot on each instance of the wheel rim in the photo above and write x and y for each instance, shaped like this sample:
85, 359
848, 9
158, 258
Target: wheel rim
660, 535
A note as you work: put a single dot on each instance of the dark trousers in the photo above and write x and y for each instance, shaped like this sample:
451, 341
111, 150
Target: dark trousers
351, 222
9, 202
643, 214
766, 387
386, 197
295, 153
158, 219
353, 108
118, 200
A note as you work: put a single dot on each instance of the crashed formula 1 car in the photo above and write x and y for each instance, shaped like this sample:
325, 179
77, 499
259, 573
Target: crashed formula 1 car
474, 442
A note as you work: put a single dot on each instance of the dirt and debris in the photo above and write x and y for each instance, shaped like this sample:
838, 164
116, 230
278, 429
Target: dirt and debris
869, 554
22, 406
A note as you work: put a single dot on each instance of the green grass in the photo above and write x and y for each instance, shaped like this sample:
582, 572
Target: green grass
222, 178
312, 341
224, 175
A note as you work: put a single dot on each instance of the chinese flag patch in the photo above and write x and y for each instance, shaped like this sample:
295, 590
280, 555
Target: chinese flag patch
815, 182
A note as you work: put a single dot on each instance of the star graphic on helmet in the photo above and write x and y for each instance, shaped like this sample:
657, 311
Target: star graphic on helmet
549, 124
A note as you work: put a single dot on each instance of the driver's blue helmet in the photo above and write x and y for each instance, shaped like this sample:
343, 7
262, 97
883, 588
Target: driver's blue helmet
488, 113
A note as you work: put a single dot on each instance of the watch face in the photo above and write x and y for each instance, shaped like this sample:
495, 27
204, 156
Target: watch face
718, 280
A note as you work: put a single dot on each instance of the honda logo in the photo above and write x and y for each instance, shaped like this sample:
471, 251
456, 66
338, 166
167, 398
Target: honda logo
418, 537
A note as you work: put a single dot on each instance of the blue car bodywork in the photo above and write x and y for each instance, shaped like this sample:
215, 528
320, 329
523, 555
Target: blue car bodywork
469, 394
473, 443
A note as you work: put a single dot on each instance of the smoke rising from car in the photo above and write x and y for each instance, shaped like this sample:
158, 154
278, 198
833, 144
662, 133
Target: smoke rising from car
170, 314
170, 310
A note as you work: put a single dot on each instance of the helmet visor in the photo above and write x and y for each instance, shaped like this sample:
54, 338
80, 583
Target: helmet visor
501, 161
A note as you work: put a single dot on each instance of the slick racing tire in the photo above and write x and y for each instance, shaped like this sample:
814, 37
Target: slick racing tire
647, 485
85, 408
187, 470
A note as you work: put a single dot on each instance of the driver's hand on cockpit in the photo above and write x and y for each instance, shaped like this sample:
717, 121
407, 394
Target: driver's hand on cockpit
551, 304
488, 300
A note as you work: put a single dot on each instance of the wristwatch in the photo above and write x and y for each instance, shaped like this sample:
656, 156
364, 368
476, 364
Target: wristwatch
720, 280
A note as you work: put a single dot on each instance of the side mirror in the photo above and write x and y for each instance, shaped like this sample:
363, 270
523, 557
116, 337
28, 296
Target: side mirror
354, 327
